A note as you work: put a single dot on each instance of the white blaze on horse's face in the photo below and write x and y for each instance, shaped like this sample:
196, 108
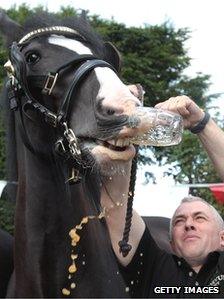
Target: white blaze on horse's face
116, 96
68, 43
113, 93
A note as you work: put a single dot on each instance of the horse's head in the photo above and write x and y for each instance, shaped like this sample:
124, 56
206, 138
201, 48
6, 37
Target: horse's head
73, 74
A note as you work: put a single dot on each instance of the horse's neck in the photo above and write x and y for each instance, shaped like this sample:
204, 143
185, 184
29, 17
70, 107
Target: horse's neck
43, 219
42, 195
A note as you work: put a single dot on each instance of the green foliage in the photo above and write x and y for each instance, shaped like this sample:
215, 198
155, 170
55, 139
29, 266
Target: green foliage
2, 154
67, 11
192, 164
153, 56
21, 13
7, 209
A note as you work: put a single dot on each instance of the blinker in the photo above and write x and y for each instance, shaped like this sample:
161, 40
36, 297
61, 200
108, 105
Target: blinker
9, 69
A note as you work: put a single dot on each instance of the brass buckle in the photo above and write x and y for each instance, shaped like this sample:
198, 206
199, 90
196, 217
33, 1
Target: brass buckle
9, 69
74, 177
50, 83
10, 72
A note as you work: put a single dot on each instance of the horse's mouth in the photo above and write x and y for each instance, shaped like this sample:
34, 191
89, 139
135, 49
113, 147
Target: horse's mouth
120, 148
119, 145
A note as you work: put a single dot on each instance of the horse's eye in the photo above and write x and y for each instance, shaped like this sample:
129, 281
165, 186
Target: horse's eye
32, 57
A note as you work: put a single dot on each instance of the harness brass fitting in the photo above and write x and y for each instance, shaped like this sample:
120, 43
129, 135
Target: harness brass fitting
72, 141
50, 83
9, 69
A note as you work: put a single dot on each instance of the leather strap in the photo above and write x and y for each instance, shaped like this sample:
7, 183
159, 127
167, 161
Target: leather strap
79, 75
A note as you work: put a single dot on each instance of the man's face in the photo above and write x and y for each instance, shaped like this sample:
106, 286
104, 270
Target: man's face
195, 231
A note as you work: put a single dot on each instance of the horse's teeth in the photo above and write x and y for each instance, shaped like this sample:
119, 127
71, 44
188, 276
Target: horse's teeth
111, 141
119, 142
126, 142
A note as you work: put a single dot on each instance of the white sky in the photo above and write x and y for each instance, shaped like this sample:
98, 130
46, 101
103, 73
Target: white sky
205, 47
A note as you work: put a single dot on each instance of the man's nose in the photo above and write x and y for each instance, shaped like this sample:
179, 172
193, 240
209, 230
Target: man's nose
189, 224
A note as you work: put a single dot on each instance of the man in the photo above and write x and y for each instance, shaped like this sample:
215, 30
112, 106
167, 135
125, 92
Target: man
197, 231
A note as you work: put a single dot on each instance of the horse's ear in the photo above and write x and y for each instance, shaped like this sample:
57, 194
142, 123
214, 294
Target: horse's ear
9, 28
113, 56
84, 17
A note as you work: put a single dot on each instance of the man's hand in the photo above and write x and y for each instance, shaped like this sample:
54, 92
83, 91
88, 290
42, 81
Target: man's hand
187, 108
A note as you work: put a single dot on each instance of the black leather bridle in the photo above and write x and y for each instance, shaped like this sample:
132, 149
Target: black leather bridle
21, 98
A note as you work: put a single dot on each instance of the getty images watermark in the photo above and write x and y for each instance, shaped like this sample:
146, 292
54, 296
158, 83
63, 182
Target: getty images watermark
187, 290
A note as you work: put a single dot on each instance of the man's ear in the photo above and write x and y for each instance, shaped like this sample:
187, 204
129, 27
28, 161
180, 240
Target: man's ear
113, 56
221, 235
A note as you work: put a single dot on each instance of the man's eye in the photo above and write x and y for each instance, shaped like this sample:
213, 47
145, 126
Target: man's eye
178, 221
200, 218
32, 57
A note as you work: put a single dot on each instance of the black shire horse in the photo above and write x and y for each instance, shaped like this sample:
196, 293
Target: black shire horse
65, 107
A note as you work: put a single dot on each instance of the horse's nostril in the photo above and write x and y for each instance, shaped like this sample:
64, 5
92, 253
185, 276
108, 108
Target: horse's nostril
110, 111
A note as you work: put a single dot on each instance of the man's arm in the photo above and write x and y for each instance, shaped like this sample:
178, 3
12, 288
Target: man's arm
211, 137
115, 221
114, 197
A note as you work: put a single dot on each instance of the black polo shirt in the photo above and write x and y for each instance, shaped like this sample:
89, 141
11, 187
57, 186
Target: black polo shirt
155, 273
